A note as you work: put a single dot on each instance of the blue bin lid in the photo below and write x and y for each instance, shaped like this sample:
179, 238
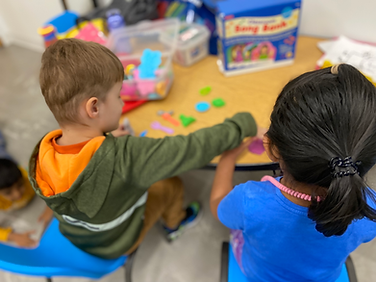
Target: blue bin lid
241, 6
64, 21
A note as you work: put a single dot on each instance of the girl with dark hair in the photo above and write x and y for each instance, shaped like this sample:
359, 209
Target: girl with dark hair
302, 226
15, 193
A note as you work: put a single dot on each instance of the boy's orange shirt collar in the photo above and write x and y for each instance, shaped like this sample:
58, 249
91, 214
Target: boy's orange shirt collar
69, 149
58, 166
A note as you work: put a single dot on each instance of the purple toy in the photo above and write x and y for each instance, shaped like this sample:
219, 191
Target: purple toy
256, 147
157, 126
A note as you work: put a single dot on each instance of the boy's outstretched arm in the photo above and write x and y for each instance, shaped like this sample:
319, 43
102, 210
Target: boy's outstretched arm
222, 184
150, 160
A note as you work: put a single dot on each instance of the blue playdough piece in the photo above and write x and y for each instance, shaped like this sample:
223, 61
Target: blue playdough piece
202, 107
143, 133
150, 61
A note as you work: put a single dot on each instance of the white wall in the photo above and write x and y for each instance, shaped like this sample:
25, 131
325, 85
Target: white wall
4, 31
327, 18
20, 19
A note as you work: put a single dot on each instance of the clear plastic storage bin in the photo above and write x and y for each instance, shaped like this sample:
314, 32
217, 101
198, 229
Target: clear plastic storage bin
193, 44
128, 44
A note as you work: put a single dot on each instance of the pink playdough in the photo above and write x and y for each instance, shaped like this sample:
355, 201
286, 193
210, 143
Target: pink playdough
256, 147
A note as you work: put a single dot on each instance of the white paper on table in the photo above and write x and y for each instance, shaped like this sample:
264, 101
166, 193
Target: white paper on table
325, 46
25, 219
360, 55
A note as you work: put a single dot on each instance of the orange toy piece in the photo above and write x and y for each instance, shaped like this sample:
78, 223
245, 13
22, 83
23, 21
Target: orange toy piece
169, 118
161, 88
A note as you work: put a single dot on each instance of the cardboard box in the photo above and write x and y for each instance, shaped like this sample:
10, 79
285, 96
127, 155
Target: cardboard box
256, 35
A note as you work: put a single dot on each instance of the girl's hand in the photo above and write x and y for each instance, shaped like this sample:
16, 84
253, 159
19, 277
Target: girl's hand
261, 132
22, 239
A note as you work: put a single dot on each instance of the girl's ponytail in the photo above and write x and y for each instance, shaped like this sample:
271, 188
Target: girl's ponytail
344, 202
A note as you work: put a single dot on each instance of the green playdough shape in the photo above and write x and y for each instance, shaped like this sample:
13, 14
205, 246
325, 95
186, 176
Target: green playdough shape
205, 91
186, 120
218, 102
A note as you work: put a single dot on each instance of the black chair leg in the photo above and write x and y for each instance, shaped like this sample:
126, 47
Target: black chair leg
224, 262
128, 266
49, 279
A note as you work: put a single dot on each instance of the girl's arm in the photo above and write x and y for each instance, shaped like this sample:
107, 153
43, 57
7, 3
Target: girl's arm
222, 184
46, 216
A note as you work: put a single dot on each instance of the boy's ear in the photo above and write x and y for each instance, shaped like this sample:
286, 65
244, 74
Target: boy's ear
92, 107
272, 152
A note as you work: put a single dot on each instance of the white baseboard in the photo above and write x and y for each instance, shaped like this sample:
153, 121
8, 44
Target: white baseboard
5, 39
32, 42
35, 46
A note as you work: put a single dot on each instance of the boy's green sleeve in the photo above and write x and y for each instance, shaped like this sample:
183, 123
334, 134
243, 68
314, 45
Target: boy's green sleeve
148, 160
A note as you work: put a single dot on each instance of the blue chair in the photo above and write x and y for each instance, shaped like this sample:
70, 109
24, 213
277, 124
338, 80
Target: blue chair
231, 272
56, 256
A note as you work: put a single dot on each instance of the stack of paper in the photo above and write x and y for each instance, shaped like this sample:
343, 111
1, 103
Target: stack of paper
344, 50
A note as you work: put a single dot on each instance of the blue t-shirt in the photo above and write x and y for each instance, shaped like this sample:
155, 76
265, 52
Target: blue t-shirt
281, 242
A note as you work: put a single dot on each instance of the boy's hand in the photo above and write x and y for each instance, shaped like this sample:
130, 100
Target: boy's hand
46, 216
120, 131
22, 239
233, 154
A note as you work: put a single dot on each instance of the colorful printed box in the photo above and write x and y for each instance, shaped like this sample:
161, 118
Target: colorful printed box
256, 35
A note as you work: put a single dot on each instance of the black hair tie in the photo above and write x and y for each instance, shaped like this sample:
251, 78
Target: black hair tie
344, 167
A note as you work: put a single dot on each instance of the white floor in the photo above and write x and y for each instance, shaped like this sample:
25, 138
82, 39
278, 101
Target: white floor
24, 119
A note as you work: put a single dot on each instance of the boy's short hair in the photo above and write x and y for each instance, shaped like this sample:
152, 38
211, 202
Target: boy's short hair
9, 173
72, 70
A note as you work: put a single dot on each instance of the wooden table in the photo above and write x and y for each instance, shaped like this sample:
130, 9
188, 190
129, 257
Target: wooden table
254, 92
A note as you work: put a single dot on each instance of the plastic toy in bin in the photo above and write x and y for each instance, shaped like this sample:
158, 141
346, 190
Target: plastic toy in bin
150, 62
148, 72
114, 19
49, 34
58, 27
91, 33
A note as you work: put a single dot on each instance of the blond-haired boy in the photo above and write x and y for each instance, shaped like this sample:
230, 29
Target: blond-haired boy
108, 191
